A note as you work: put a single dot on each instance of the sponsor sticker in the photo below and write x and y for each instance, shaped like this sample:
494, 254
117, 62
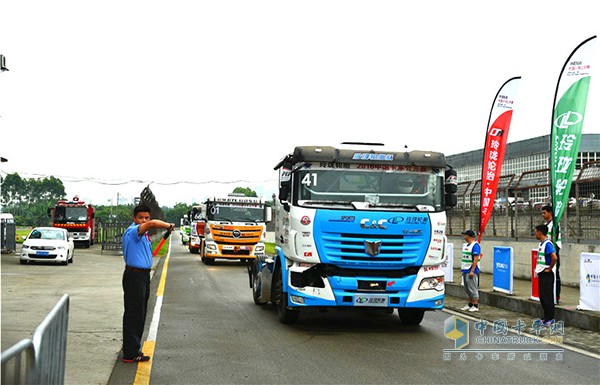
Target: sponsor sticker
370, 300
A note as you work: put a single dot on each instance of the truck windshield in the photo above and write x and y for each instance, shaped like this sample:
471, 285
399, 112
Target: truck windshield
70, 214
236, 213
378, 188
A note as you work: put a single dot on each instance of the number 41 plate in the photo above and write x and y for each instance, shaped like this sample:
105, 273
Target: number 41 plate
370, 300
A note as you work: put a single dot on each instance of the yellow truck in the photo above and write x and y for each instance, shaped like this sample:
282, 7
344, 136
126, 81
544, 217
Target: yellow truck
235, 228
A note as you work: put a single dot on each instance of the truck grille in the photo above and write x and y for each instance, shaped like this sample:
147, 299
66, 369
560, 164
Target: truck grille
233, 235
394, 249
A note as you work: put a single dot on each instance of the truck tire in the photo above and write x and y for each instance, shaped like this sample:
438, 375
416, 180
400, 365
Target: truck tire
256, 287
411, 316
280, 297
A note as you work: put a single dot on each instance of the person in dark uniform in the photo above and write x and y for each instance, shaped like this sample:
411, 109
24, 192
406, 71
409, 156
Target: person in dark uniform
554, 234
544, 270
137, 252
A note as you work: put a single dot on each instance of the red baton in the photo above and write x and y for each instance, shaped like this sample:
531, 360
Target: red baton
164, 238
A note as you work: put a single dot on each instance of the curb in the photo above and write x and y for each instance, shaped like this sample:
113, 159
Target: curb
571, 317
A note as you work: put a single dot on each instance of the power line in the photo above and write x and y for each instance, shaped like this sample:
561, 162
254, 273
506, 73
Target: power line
120, 182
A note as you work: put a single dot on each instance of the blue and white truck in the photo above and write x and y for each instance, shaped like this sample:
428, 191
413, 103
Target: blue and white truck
357, 225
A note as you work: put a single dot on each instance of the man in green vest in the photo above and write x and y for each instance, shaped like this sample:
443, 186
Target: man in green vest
544, 270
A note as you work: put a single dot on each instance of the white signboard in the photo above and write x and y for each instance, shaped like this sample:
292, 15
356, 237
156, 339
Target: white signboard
589, 281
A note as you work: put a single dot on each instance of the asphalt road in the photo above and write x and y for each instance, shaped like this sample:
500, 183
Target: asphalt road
211, 332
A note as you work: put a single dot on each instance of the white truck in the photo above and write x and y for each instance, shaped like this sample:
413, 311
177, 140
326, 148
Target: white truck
358, 225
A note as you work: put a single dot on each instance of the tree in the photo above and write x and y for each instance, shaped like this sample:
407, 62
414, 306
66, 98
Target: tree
12, 188
16, 190
247, 191
174, 215
30, 198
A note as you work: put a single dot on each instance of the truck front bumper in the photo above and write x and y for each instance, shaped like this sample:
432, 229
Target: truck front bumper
423, 290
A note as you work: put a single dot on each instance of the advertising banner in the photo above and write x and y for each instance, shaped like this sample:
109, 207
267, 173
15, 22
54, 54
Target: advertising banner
589, 283
535, 288
570, 101
448, 266
495, 148
503, 269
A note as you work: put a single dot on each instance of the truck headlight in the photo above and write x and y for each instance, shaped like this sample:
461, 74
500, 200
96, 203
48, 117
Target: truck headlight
211, 247
432, 283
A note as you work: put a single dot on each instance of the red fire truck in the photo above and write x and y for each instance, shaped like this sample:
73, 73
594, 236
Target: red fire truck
77, 218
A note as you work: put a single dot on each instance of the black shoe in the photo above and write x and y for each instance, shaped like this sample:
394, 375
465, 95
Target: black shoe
140, 358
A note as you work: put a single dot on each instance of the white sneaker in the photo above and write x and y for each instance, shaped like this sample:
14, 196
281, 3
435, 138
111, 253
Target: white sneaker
474, 308
466, 307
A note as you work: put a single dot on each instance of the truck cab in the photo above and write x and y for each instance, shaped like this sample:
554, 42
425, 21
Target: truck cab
358, 225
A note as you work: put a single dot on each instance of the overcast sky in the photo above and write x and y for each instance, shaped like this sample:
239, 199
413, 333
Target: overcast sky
112, 96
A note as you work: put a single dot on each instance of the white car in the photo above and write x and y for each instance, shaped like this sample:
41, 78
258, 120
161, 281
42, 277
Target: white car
48, 244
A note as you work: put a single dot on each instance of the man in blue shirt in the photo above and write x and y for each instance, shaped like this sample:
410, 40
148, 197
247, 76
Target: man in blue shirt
137, 252
544, 270
469, 266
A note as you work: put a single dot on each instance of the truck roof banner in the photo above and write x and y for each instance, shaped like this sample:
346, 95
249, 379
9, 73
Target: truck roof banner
495, 148
570, 101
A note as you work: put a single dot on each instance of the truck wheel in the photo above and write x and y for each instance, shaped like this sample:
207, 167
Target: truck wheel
256, 287
286, 315
411, 316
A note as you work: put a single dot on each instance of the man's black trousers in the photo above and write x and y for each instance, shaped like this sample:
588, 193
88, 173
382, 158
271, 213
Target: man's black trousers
136, 292
546, 292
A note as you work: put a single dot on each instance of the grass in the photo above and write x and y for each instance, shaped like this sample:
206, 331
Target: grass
164, 249
22, 233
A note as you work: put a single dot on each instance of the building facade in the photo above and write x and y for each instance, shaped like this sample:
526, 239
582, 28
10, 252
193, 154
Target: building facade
525, 156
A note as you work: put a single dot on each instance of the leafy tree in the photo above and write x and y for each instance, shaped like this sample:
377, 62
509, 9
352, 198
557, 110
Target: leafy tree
175, 214
120, 213
247, 191
16, 190
12, 188
29, 199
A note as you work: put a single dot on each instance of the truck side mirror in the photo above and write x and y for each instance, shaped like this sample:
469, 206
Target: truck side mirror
451, 182
284, 192
450, 188
450, 200
285, 182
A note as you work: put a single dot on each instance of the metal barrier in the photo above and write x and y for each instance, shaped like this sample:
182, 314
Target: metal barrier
14, 370
111, 234
45, 354
517, 208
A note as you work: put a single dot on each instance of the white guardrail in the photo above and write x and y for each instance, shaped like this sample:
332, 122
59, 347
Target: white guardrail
40, 360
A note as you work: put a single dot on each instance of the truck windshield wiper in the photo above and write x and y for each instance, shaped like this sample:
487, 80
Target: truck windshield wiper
248, 220
398, 205
222, 219
327, 202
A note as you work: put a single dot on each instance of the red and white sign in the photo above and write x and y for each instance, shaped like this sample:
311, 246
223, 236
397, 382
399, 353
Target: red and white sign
495, 148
